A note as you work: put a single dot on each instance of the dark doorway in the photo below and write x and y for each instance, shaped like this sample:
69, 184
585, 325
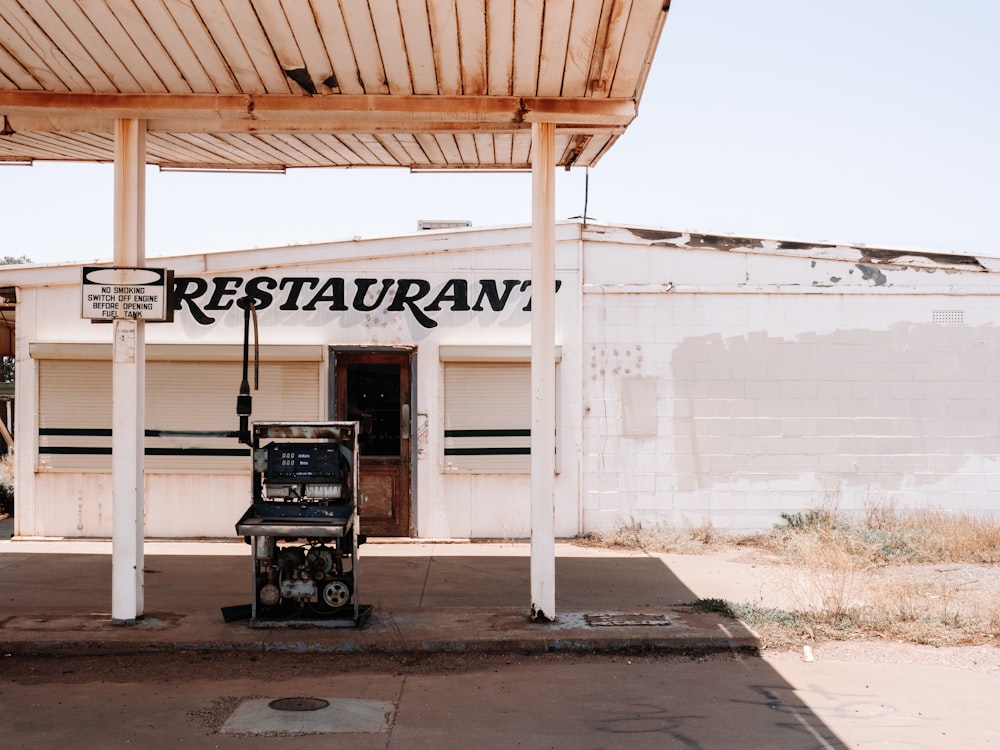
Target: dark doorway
372, 387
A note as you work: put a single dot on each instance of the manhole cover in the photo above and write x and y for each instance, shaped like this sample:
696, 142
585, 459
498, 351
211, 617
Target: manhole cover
620, 619
298, 704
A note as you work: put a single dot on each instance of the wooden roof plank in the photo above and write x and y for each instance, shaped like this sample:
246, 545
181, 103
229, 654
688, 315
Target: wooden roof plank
167, 147
449, 148
555, 43
376, 143
500, 43
472, 46
328, 149
594, 148
484, 148
333, 30
14, 72
219, 147
402, 153
284, 46
336, 146
562, 146
315, 56
20, 36
391, 47
527, 46
584, 27
361, 30
73, 34
175, 44
191, 26
76, 146
419, 49
467, 148
636, 54
232, 41
413, 149
521, 149
444, 37
616, 26
259, 145
295, 145
503, 148
358, 143
188, 148
430, 144
105, 38
146, 42
32, 145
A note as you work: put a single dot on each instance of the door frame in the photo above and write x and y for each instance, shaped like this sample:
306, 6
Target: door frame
333, 351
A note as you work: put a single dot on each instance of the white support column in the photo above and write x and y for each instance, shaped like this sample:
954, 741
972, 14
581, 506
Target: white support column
543, 372
128, 418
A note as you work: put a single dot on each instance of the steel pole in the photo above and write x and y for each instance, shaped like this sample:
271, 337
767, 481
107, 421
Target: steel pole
128, 382
543, 375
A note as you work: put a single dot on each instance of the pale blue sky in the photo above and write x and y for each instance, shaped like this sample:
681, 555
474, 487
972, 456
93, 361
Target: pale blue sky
868, 121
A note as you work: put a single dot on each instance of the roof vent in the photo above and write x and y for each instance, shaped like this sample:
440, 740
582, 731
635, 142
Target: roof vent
423, 224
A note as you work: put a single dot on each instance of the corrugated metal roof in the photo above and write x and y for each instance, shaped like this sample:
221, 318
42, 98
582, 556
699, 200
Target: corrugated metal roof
303, 83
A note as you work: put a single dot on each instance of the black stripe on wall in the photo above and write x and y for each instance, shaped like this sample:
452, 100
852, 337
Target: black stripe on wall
487, 451
91, 432
486, 433
102, 451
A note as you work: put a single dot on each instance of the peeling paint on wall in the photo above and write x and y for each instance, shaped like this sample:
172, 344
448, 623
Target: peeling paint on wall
890, 409
872, 274
927, 261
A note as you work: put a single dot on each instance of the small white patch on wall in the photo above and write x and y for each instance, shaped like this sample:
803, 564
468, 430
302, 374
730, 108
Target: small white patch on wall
639, 406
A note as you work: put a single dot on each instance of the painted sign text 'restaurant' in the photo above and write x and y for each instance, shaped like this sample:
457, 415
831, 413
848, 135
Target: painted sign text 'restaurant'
204, 298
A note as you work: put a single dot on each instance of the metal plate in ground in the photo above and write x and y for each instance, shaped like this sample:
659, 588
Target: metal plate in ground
298, 704
341, 715
622, 619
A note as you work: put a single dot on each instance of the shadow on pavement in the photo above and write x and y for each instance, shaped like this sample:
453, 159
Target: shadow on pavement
686, 694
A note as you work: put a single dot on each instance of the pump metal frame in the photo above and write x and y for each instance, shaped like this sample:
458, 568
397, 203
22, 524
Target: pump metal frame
269, 522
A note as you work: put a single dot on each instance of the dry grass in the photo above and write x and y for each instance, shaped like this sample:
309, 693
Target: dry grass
659, 537
915, 576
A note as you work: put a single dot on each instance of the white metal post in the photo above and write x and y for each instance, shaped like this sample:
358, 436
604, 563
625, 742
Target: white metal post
543, 375
128, 382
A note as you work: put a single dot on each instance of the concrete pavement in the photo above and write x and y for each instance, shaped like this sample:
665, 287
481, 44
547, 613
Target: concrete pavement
426, 597
467, 598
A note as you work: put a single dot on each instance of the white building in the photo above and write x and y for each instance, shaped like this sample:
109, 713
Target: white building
701, 380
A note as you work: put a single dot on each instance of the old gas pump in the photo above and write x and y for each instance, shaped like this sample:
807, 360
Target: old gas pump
302, 524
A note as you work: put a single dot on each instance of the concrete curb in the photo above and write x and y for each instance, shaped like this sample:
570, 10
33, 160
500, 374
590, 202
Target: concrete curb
451, 632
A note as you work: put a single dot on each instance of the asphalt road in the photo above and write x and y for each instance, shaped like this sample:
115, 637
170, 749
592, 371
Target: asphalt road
485, 702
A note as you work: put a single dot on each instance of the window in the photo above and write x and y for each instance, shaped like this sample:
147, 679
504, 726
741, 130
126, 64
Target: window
191, 422
487, 409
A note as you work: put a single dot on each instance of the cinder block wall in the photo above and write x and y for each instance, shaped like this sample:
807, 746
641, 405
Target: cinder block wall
730, 397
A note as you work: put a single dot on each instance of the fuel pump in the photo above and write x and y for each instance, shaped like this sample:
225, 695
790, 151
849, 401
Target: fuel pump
302, 523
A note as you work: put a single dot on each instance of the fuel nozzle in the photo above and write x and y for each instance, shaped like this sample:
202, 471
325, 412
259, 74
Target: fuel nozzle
244, 408
244, 402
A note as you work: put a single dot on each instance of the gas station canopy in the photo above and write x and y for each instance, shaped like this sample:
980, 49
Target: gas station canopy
270, 84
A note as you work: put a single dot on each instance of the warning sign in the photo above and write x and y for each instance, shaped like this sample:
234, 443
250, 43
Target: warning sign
138, 293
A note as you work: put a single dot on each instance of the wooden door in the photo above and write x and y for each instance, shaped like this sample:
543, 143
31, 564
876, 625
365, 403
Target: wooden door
373, 388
